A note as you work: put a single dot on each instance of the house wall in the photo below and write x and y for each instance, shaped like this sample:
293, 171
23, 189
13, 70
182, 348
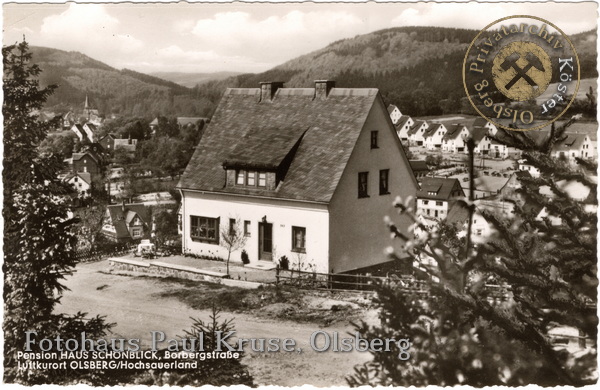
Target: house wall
282, 214
358, 235
403, 131
428, 208
86, 164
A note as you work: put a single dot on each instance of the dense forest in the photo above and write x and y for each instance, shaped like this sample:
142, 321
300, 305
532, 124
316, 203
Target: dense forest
417, 68
111, 91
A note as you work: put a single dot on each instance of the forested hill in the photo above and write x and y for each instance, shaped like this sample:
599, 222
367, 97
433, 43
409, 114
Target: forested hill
418, 68
110, 90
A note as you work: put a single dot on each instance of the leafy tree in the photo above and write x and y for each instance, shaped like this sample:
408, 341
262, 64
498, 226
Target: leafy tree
165, 223
167, 127
59, 144
232, 238
487, 314
89, 224
39, 241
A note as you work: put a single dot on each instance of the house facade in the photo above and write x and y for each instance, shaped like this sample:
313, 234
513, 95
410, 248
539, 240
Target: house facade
403, 126
434, 136
81, 182
108, 142
126, 222
395, 113
417, 132
306, 173
454, 140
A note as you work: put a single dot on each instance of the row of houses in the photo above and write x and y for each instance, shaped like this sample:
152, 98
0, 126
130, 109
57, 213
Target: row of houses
451, 138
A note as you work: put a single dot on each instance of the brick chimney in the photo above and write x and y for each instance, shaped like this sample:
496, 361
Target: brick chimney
322, 88
268, 89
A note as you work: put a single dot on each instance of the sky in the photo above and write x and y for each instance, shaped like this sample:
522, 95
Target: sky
244, 37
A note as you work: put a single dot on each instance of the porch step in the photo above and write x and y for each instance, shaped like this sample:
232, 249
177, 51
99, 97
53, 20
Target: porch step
264, 265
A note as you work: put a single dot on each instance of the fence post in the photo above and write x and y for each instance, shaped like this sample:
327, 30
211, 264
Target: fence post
277, 274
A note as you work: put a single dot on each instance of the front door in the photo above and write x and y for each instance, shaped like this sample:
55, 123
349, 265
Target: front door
265, 241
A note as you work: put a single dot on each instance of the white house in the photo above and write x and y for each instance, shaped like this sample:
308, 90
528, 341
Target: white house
403, 126
417, 131
90, 131
524, 166
394, 113
437, 195
434, 135
573, 145
81, 182
306, 173
454, 140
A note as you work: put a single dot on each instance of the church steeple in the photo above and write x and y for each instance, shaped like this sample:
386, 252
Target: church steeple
86, 107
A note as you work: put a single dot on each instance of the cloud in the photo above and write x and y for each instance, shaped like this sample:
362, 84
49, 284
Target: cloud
275, 38
87, 28
174, 58
479, 15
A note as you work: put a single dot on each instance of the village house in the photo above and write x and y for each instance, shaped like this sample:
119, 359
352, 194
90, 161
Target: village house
571, 146
482, 140
90, 131
513, 183
87, 161
402, 127
416, 133
108, 142
306, 173
434, 135
81, 182
454, 140
80, 132
126, 222
129, 145
395, 113
437, 195
523, 165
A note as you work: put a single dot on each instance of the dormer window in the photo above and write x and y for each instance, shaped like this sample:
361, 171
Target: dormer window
251, 178
432, 193
240, 178
262, 179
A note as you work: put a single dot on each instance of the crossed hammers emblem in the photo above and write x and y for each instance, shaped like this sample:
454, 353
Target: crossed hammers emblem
532, 62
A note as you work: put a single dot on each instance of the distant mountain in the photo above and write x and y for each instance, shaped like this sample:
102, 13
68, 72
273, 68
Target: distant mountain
110, 90
418, 68
192, 79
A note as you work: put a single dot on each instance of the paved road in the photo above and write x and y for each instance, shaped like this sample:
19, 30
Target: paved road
134, 305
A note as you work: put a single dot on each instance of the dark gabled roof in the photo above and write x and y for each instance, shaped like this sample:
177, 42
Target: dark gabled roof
416, 127
91, 126
458, 213
85, 176
121, 215
391, 108
432, 129
453, 131
403, 119
79, 156
332, 126
418, 165
111, 135
264, 148
569, 141
440, 186
478, 133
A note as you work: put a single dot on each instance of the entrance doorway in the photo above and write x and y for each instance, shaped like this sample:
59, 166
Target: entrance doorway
265, 241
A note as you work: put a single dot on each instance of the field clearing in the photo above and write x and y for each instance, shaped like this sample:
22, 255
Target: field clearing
584, 87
